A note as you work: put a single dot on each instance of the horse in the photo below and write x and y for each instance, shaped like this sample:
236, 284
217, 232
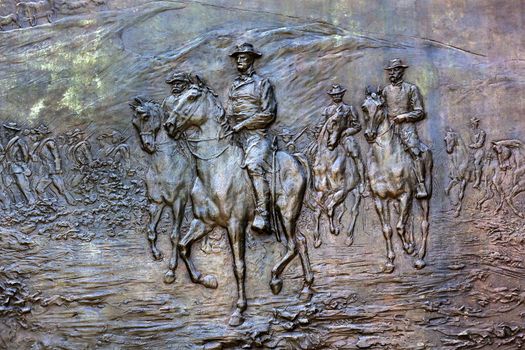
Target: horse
168, 178
222, 194
8, 19
35, 9
507, 175
392, 178
461, 167
335, 175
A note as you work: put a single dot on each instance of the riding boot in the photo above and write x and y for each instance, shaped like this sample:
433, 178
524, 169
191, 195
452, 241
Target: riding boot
477, 177
421, 189
261, 221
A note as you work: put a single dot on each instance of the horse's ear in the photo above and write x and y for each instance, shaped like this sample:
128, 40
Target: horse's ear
379, 90
199, 81
369, 90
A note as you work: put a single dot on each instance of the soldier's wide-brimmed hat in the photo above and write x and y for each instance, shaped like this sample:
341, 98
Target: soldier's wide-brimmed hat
74, 133
286, 132
12, 126
395, 63
336, 90
42, 129
245, 48
178, 76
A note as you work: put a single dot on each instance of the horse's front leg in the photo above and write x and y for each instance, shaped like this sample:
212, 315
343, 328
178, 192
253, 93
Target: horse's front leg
451, 184
179, 204
461, 195
198, 229
405, 204
383, 211
334, 201
155, 212
236, 236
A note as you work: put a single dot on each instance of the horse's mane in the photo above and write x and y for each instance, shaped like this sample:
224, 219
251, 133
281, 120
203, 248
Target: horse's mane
214, 104
148, 104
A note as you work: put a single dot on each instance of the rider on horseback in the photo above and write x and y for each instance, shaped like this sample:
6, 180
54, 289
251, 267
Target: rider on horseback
179, 82
405, 108
346, 111
251, 108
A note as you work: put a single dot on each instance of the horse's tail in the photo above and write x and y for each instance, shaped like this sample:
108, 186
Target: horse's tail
303, 161
301, 158
429, 163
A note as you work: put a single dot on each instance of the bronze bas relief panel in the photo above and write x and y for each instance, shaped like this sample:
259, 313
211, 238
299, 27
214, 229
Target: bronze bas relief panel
183, 175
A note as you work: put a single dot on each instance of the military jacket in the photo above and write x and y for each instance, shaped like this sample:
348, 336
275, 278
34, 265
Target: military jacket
251, 101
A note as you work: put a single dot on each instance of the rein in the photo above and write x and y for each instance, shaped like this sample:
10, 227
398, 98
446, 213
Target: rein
217, 138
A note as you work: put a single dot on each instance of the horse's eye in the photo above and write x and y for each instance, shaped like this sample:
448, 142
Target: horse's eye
145, 117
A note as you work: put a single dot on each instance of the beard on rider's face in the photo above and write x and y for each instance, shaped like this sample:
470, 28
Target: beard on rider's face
395, 75
337, 98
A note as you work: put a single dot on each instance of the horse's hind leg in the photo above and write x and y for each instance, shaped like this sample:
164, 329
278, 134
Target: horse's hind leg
383, 211
302, 248
155, 212
425, 206
236, 235
178, 215
405, 204
354, 212
317, 228
198, 229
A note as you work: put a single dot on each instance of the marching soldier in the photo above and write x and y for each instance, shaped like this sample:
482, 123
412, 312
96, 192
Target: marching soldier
47, 153
17, 156
251, 109
477, 139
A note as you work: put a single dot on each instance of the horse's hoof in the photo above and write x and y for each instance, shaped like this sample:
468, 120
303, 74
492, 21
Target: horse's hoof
317, 243
409, 248
276, 285
419, 264
157, 255
389, 267
306, 294
349, 241
169, 277
209, 281
236, 319
335, 231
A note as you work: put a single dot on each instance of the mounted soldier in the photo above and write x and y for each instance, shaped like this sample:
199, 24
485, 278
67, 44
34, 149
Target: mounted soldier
251, 109
405, 109
179, 81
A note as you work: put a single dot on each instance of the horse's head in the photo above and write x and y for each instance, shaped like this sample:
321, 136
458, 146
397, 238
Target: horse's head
334, 127
451, 139
195, 106
373, 111
503, 150
147, 116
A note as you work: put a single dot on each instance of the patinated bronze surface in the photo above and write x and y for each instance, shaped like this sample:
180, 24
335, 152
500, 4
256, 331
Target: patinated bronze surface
332, 175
